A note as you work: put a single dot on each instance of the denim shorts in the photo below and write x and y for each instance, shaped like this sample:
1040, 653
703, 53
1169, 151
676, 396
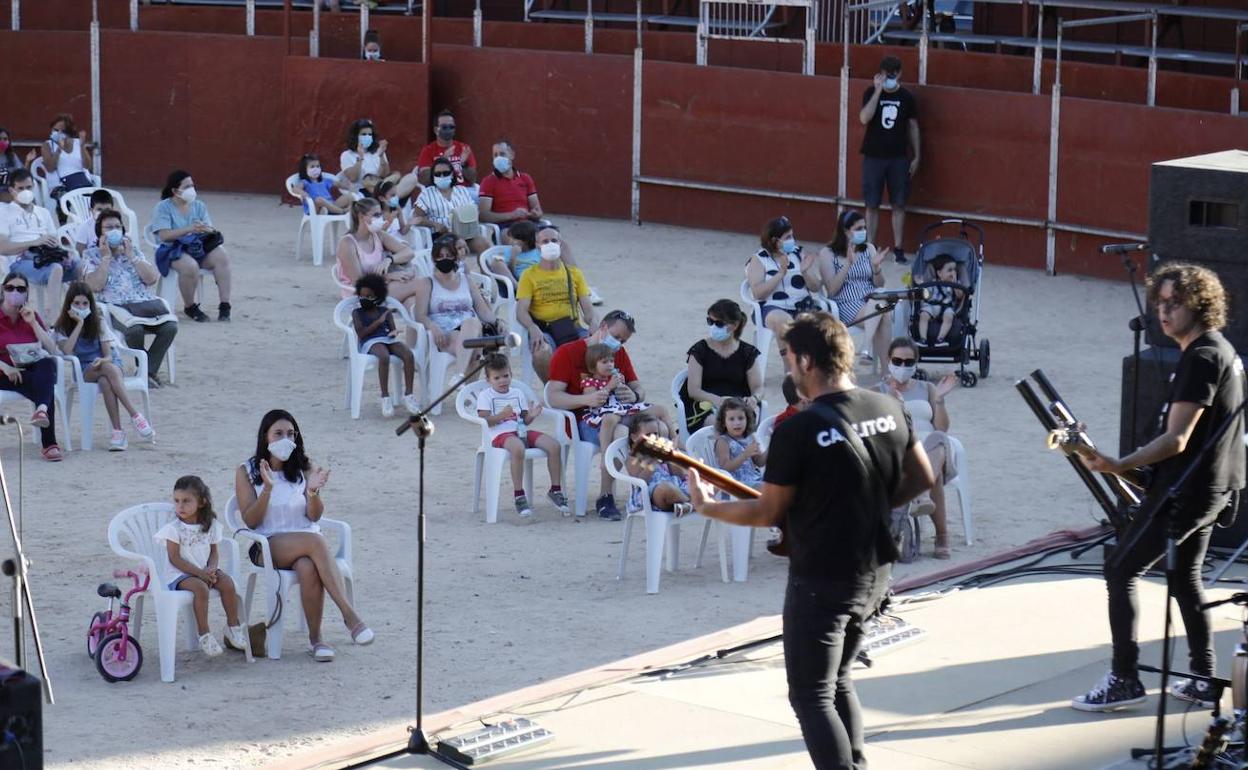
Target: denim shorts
25, 266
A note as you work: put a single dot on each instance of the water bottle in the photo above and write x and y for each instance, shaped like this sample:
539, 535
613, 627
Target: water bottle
522, 430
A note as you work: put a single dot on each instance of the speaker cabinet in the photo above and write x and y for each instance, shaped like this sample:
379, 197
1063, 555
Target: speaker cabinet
21, 713
1198, 212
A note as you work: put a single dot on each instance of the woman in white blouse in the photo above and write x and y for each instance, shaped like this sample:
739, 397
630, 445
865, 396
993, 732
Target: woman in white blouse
279, 493
67, 155
438, 202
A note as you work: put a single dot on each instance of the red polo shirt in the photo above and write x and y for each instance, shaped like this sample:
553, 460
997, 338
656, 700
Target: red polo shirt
454, 152
507, 195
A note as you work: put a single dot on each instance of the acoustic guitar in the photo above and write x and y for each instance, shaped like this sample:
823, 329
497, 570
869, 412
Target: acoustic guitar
659, 449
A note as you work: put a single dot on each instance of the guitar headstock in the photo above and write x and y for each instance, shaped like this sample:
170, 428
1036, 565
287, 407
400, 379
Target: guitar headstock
1069, 437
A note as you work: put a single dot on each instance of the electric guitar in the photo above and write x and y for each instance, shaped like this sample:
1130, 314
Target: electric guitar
660, 449
1071, 438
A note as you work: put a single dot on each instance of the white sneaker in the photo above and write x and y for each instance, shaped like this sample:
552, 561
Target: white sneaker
594, 299
210, 646
236, 637
118, 442
387, 407
411, 403
142, 426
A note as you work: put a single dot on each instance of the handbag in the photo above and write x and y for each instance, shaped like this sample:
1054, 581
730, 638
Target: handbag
464, 223
43, 256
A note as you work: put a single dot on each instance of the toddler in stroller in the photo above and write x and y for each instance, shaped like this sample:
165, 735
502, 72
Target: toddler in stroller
941, 303
944, 320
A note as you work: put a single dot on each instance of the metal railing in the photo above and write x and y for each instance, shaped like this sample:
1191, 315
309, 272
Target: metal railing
750, 20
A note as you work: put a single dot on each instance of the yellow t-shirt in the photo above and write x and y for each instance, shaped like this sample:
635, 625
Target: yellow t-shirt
547, 291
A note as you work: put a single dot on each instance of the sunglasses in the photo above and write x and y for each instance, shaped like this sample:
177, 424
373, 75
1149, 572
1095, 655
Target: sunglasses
16, 288
904, 361
713, 322
444, 173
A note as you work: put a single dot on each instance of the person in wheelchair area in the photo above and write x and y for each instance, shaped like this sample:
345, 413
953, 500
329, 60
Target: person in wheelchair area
940, 303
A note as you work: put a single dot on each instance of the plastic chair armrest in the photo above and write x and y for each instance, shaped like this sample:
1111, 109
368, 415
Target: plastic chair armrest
266, 556
345, 551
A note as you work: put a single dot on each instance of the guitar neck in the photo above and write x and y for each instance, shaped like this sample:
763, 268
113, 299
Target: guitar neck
713, 476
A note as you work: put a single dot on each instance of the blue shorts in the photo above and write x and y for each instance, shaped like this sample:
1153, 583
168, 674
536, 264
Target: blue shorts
173, 584
876, 172
588, 432
25, 267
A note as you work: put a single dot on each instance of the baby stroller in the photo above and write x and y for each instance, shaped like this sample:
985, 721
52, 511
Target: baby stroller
962, 344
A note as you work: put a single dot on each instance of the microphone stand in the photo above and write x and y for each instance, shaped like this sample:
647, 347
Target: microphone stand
418, 742
1137, 328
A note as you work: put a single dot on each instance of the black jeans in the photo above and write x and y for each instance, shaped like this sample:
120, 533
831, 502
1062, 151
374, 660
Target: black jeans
1196, 513
38, 384
822, 631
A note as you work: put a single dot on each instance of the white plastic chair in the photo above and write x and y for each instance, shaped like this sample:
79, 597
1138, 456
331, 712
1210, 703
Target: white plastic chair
438, 363
282, 585
762, 335
359, 364
88, 392
962, 485
490, 461
491, 231
741, 538
39, 174
662, 527
171, 355
167, 285
420, 237
568, 434
131, 535
76, 205
59, 398
506, 284
682, 417
505, 309
315, 223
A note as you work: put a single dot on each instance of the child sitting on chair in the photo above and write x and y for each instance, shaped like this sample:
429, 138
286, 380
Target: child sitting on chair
668, 489
941, 303
374, 328
601, 375
191, 542
737, 450
508, 414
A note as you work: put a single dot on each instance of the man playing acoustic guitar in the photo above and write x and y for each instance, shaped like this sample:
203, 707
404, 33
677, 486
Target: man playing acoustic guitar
1207, 387
834, 472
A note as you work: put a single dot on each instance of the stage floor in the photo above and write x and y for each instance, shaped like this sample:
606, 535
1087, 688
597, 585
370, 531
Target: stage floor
987, 688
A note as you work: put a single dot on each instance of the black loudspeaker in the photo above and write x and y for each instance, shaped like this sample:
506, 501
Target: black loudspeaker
21, 719
1198, 212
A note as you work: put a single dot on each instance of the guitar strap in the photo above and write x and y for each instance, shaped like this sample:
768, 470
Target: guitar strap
885, 547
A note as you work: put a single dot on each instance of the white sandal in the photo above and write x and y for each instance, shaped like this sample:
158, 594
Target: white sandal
321, 652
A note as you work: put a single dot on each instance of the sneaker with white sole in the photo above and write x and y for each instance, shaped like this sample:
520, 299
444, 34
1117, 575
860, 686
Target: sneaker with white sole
411, 403
387, 407
559, 500
522, 506
594, 299
118, 442
1195, 691
209, 645
682, 509
142, 426
1112, 692
236, 638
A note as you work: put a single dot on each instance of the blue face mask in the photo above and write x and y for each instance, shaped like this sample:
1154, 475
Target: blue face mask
366, 140
788, 245
394, 202
502, 164
890, 84
859, 236
718, 333
611, 342
115, 237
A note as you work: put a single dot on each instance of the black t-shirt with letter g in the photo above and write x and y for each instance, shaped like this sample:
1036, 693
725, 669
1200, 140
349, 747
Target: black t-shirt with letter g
1211, 375
833, 525
888, 133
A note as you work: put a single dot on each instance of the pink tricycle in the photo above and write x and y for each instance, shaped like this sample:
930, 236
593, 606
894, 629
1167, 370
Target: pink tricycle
118, 656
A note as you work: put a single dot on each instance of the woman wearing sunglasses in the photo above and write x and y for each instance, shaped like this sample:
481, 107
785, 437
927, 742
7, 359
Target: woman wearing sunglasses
925, 402
721, 366
22, 334
438, 202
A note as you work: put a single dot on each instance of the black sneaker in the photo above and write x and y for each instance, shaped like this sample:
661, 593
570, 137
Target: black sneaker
195, 314
606, 508
223, 311
1112, 692
899, 256
1195, 691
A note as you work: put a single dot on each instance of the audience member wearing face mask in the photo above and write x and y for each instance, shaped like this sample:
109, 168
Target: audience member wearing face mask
851, 268
783, 278
121, 276
28, 233
365, 154
721, 366
372, 46
278, 490
925, 403
446, 145
553, 301
451, 307
28, 359
67, 156
439, 202
179, 218
368, 248
321, 188
9, 162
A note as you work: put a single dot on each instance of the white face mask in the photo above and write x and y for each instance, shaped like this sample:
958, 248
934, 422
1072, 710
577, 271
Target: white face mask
372, 55
25, 197
902, 373
282, 449
189, 195
80, 312
376, 224
551, 251
314, 172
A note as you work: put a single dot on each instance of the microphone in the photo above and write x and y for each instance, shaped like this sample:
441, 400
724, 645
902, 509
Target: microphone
889, 295
494, 342
1123, 248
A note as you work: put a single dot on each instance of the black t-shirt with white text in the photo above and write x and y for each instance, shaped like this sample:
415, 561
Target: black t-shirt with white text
888, 132
1211, 375
835, 520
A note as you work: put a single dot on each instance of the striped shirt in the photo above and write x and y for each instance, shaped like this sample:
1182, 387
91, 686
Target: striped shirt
858, 284
438, 208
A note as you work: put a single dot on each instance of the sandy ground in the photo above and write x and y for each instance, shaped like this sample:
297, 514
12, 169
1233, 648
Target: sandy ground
509, 604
